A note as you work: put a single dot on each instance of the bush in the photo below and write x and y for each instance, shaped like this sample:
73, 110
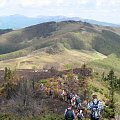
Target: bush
49, 117
109, 112
42, 117
7, 117
43, 81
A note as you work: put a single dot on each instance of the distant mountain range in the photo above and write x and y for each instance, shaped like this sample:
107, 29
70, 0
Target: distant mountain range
19, 21
70, 34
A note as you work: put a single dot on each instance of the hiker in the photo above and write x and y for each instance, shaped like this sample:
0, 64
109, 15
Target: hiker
64, 95
79, 107
73, 101
69, 113
80, 115
78, 101
69, 97
41, 87
51, 93
95, 106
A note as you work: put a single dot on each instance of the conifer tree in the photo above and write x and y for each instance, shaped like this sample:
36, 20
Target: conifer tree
111, 81
8, 86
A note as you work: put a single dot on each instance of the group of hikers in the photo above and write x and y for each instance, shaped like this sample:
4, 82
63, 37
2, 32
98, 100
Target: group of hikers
76, 110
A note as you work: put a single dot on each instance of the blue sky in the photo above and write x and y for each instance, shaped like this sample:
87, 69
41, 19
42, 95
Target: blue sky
101, 10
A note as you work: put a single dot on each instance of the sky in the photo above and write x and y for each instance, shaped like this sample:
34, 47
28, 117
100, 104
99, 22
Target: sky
101, 10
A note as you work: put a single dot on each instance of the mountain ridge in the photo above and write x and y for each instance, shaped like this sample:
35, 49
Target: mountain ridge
58, 40
20, 21
70, 32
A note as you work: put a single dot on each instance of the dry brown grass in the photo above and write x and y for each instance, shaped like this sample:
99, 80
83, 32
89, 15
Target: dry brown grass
39, 59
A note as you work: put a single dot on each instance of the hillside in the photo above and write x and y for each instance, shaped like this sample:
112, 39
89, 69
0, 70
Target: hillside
70, 42
60, 45
26, 100
40, 59
3, 31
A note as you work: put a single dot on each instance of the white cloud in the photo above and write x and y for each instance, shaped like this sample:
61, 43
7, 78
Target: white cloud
34, 2
31, 3
60, 1
96, 9
108, 3
83, 1
2, 2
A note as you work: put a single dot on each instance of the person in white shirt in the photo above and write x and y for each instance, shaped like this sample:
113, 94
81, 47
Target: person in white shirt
95, 106
80, 115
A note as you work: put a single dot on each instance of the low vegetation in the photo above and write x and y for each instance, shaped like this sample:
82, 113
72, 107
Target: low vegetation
30, 100
111, 62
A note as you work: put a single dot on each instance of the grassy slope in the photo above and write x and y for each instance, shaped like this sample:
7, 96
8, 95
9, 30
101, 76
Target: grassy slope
73, 35
101, 89
39, 59
111, 62
76, 35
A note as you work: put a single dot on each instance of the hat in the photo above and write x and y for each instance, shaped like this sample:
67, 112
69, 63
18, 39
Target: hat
94, 96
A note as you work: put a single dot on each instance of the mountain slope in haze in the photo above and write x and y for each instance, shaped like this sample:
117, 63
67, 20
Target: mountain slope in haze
19, 21
3, 31
53, 39
71, 34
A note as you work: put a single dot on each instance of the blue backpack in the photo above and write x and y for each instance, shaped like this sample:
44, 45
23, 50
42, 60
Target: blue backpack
95, 111
80, 116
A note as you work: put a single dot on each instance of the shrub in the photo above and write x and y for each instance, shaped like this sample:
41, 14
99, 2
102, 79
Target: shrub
7, 117
49, 117
109, 112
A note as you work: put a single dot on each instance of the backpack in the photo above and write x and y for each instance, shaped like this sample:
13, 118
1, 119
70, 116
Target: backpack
51, 92
79, 116
95, 111
69, 96
79, 107
69, 115
78, 101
